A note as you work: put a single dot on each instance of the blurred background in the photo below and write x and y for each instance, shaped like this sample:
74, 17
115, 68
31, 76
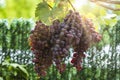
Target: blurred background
11, 9
17, 19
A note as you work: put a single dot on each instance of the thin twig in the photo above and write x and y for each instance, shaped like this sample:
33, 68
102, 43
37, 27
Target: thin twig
108, 7
106, 1
112, 2
100, 3
48, 4
71, 5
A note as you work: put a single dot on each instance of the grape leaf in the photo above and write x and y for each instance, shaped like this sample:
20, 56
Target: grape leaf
24, 71
42, 11
21, 67
110, 20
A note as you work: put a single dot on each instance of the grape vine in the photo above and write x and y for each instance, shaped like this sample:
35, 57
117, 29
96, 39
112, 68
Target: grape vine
51, 44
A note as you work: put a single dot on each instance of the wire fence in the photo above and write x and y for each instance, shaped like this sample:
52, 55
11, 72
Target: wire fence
102, 61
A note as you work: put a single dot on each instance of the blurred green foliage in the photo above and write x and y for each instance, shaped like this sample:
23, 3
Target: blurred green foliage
17, 8
12, 71
14, 48
48, 10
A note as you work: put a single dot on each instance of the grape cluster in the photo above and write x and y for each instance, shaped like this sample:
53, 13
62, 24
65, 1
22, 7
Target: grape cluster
60, 47
85, 34
96, 37
40, 44
51, 44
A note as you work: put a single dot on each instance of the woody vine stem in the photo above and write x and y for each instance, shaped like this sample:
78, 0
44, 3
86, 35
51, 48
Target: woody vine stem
101, 3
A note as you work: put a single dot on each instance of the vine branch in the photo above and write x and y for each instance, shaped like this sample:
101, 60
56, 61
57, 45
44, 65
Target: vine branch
71, 5
108, 7
101, 3
111, 2
48, 4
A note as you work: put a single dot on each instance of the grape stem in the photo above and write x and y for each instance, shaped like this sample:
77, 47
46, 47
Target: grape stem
48, 4
71, 5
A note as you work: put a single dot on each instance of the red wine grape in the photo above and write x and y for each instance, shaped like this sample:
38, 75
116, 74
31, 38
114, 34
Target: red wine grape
51, 44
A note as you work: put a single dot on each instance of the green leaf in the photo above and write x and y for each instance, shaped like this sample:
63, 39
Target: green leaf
6, 62
110, 20
42, 11
88, 79
98, 71
15, 73
14, 65
23, 70
1, 78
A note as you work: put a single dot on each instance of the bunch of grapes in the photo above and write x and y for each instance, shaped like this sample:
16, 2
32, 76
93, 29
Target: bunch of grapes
60, 47
84, 34
40, 46
51, 44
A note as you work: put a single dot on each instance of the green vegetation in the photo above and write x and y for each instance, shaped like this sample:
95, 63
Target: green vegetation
17, 19
11, 9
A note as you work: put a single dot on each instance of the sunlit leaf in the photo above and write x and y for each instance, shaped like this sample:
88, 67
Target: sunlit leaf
1, 78
21, 68
110, 22
24, 71
15, 73
14, 65
102, 12
60, 9
98, 71
42, 11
